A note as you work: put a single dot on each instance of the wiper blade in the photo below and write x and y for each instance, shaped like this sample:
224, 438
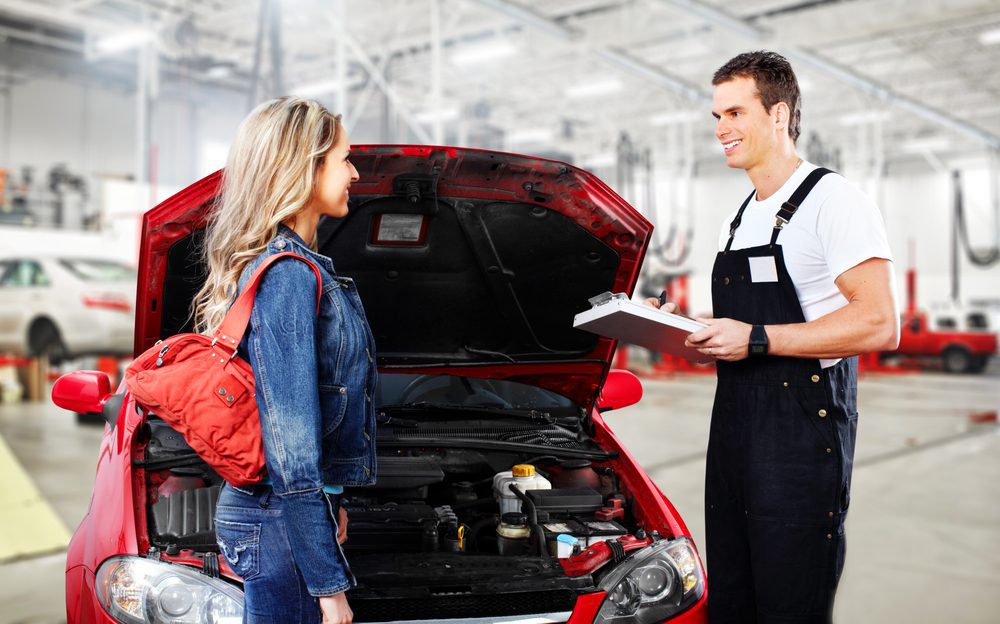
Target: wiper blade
496, 445
532, 415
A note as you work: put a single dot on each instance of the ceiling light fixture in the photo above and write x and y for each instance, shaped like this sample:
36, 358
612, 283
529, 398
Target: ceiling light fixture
990, 37
863, 117
931, 143
443, 114
599, 161
677, 117
120, 42
529, 135
475, 54
593, 89
219, 71
315, 89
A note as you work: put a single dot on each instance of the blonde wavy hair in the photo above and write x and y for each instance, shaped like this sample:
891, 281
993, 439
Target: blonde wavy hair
269, 177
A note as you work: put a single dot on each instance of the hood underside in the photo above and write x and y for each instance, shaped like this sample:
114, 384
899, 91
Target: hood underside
468, 262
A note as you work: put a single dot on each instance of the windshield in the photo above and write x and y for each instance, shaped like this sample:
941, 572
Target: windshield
100, 270
404, 389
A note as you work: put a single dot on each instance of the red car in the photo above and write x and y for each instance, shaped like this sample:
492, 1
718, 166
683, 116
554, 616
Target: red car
960, 351
471, 265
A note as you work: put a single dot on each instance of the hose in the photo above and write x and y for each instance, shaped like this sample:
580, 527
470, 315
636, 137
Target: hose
985, 258
529, 505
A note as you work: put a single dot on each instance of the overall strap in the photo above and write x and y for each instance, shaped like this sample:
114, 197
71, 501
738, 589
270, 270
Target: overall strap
739, 217
787, 210
234, 325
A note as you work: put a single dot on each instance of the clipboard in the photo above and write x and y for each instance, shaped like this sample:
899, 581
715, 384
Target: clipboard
615, 316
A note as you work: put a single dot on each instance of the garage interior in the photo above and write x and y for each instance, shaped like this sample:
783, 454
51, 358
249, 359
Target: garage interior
108, 107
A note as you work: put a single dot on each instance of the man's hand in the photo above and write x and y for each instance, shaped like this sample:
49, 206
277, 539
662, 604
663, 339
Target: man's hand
723, 339
335, 609
341, 526
669, 306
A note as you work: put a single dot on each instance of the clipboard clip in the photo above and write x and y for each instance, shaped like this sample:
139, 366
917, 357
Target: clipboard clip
605, 297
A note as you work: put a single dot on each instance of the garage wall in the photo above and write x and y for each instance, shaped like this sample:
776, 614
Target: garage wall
917, 207
88, 128
91, 128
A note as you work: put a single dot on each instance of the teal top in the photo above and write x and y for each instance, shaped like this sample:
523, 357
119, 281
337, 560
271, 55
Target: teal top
329, 489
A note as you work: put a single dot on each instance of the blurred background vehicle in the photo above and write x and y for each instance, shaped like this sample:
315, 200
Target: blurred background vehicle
66, 307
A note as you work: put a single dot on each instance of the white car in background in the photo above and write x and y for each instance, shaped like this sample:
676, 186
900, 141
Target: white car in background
66, 307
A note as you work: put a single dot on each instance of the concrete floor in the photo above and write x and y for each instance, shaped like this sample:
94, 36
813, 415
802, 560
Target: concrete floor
923, 532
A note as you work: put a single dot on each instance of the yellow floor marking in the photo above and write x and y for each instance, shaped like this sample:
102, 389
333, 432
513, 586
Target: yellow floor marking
28, 524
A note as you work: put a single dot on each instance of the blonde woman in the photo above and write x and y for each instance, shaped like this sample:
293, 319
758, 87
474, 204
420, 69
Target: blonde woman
288, 166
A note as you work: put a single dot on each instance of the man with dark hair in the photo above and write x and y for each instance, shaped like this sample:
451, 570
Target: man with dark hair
794, 301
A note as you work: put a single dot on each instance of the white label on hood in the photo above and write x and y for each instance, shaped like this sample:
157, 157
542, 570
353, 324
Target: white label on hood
399, 228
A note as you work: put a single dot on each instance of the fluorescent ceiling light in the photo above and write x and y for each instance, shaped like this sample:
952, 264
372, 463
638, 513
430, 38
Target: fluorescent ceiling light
919, 145
677, 117
314, 89
482, 53
123, 41
530, 135
597, 161
863, 117
222, 70
443, 114
593, 89
990, 37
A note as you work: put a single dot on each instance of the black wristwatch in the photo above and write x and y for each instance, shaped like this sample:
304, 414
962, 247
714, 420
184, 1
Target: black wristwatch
758, 341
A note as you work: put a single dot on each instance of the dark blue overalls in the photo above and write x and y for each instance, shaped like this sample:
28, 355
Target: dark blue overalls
780, 453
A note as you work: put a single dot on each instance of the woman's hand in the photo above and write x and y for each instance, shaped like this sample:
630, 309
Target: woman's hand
335, 609
341, 526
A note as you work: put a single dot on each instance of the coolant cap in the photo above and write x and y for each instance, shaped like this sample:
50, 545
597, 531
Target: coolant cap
523, 470
514, 518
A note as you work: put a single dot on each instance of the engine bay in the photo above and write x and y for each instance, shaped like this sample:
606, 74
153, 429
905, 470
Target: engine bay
468, 518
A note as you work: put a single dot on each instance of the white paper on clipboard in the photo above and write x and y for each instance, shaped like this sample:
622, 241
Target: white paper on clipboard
617, 317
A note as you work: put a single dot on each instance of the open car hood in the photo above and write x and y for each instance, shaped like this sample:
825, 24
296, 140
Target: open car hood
469, 262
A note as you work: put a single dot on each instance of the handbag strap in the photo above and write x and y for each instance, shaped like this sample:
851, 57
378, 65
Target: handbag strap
234, 325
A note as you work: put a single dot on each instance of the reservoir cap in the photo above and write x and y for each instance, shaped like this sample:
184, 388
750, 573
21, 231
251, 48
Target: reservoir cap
523, 470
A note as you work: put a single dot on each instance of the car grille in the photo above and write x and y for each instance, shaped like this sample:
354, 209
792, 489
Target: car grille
458, 606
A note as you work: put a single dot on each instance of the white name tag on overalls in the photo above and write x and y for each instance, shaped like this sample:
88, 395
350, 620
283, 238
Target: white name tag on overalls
763, 269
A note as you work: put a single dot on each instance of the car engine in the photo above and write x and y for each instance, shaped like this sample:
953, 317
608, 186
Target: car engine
442, 534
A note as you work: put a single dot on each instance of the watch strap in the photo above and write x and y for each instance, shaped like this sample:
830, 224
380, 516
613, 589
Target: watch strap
758, 341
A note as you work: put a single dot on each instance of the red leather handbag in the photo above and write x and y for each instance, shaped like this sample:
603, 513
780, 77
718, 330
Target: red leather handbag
202, 389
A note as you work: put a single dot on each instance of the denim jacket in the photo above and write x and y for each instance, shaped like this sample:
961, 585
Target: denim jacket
315, 376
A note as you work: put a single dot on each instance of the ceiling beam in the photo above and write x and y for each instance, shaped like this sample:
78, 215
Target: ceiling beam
611, 56
378, 77
64, 18
837, 72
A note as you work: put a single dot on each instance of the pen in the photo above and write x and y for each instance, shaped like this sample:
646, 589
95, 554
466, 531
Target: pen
663, 298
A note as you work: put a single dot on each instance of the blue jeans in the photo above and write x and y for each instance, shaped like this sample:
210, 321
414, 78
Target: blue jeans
250, 528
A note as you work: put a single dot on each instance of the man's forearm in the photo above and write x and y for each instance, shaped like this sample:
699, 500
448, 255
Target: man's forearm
859, 327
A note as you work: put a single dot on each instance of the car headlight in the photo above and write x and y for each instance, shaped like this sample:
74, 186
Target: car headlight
655, 583
134, 590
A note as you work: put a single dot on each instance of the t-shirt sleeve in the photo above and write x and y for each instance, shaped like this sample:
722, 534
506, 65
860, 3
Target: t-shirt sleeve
850, 229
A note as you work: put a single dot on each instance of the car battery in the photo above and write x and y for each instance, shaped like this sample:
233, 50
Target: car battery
587, 532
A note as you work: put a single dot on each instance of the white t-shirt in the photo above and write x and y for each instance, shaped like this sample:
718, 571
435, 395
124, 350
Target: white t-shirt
836, 228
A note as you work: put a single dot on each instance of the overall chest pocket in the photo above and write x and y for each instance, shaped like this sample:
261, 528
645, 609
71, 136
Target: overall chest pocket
240, 545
